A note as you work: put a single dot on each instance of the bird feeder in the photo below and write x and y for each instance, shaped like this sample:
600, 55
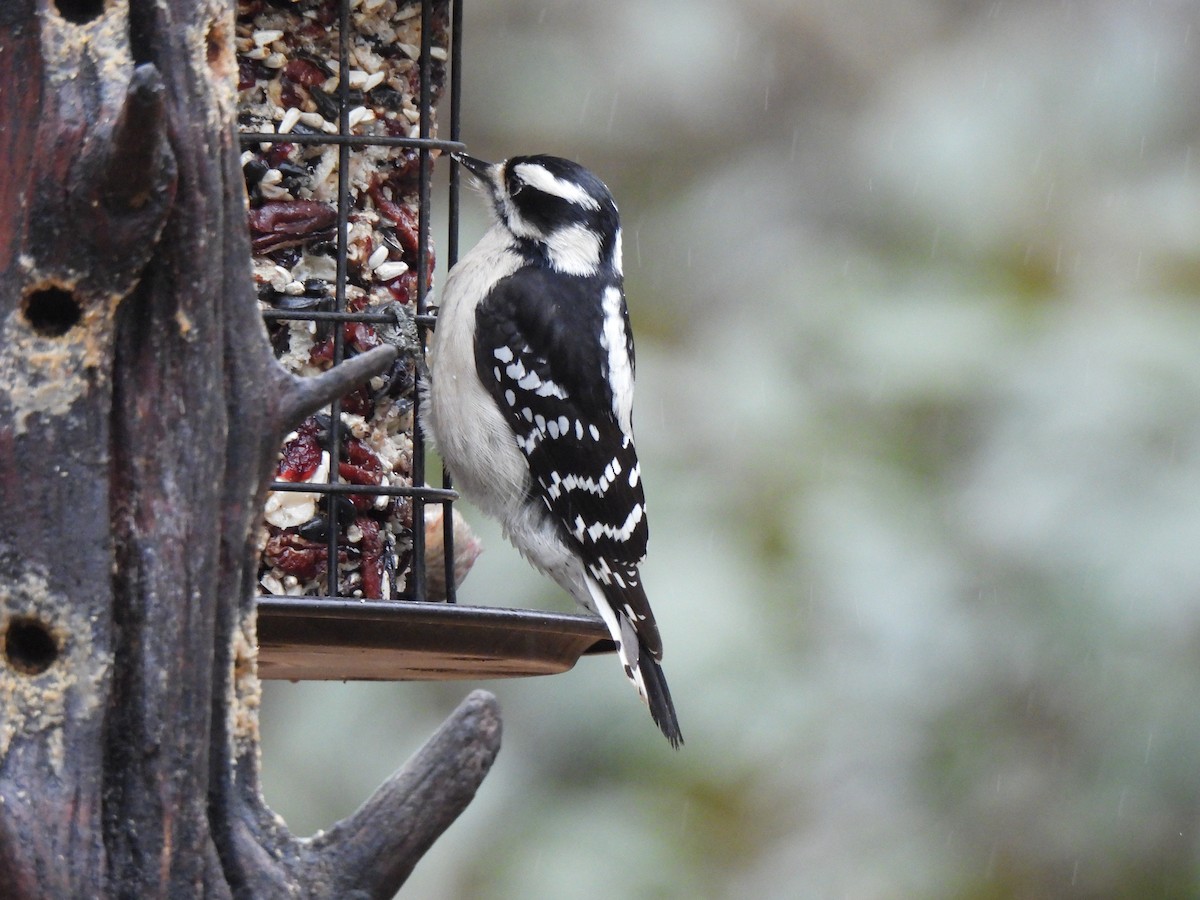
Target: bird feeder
339, 176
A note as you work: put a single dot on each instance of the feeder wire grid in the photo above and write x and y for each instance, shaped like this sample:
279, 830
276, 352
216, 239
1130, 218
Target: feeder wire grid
340, 316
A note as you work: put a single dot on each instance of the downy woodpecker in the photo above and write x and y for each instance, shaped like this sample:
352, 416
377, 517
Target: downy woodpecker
530, 395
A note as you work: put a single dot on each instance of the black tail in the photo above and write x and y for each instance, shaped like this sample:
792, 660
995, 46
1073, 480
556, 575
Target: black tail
658, 696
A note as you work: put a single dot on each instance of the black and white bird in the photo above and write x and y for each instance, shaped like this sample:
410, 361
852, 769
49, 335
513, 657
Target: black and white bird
530, 396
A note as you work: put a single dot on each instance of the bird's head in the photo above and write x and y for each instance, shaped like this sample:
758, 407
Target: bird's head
556, 206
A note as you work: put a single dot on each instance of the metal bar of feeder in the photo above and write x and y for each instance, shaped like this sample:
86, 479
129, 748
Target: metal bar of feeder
378, 490
452, 221
356, 141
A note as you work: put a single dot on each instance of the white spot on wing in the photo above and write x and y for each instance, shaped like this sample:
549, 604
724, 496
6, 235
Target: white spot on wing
620, 533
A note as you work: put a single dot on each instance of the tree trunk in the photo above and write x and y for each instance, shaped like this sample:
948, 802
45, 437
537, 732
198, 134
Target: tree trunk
141, 409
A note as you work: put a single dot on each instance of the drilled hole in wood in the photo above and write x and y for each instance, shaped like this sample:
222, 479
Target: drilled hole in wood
29, 647
52, 312
216, 41
79, 11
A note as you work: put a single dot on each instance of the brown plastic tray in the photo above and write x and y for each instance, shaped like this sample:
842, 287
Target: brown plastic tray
315, 638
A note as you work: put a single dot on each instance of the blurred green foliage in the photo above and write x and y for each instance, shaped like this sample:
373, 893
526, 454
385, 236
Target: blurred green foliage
915, 286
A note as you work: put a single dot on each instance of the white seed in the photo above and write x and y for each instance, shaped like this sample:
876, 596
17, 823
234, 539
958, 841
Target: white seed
258, 53
374, 81
357, 78
274, 192
407, 13
272, 584
378, 257
370, 5
294, 288
391, 269
246, 157
438, 53
354, 534
267, 36
275, 61
412, 51
289, 120
411, 114
356, 115
272, 176
312, 119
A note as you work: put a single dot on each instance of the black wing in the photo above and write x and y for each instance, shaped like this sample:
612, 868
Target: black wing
538, 353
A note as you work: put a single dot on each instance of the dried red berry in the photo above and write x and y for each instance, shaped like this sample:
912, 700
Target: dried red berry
305, 72
402, 217
321, 354
363, 457
289, 223
279, 153
359, 403
404, 287
356, 475
290, 95
361, 336
249, 71
371, 561
293, 555
301, 455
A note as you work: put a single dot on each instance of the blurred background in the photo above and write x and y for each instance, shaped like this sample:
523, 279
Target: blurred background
915, 287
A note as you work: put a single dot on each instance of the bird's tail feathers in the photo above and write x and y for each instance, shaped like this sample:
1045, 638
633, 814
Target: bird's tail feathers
658, 698
640, 666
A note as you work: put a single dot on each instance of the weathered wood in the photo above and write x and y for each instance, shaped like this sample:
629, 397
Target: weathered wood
140, 412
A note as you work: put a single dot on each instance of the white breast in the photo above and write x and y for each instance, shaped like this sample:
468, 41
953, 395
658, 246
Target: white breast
461, 418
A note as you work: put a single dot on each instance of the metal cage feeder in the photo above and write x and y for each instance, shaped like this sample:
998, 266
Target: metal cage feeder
337, 632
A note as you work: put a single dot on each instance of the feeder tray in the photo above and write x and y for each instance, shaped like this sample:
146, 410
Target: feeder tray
328, 638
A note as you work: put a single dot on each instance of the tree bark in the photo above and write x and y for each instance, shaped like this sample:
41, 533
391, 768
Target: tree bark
141, 409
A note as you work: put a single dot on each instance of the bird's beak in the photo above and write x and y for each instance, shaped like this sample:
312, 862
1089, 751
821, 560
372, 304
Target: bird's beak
477, 167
